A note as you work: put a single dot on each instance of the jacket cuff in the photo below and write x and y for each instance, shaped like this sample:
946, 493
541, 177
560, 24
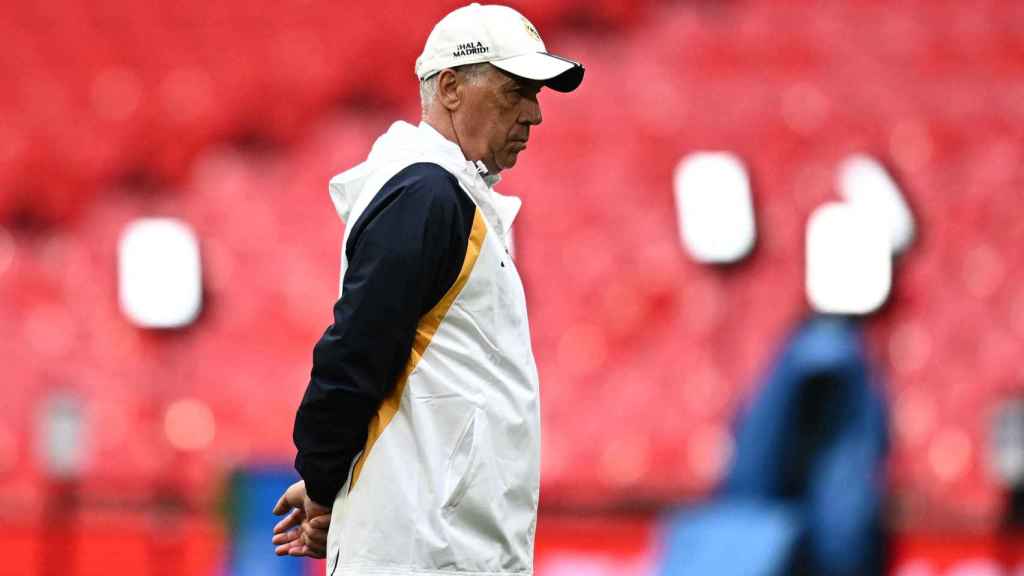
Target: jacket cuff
320, 487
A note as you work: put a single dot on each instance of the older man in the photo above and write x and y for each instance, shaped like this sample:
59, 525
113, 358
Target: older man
419, 434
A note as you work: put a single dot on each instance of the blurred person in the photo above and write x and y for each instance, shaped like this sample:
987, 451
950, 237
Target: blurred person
804, 493
1007, 459
815, 439
419, 433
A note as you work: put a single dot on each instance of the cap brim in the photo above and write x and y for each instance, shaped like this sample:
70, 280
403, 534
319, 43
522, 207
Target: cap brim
559, 74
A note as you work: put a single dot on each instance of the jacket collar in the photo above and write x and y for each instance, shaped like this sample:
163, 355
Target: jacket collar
504, 208
404, 143
452, 151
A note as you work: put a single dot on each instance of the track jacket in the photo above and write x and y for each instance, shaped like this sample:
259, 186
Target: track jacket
421, 421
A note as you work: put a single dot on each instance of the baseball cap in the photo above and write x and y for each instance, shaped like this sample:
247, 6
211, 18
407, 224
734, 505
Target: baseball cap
499, 35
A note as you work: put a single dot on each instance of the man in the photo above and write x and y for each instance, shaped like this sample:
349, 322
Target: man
419, 434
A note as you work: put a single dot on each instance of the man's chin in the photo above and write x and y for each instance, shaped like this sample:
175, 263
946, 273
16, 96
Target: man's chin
508, 161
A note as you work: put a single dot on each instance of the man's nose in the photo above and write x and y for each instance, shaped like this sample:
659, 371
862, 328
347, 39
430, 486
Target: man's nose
531, 112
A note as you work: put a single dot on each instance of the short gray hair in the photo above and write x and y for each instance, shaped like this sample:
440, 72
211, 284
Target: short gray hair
428, 86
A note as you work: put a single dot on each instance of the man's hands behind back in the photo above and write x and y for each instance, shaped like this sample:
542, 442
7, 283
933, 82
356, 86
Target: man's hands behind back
303, 532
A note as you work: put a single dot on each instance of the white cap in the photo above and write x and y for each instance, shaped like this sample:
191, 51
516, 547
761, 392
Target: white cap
501, 36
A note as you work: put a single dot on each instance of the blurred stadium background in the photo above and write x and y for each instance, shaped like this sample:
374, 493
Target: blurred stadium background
127, 450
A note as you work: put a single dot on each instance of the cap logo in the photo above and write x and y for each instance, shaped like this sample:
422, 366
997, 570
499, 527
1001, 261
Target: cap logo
470, 48
531, 30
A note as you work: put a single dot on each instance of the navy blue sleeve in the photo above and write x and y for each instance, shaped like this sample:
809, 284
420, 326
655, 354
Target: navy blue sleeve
404, 253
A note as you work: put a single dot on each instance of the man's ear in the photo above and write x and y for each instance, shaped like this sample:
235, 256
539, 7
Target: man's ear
449, 89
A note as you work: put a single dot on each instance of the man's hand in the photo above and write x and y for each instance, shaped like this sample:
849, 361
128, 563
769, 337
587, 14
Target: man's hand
303, 532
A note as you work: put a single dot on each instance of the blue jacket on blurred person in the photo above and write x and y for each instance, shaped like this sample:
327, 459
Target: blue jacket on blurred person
805, 491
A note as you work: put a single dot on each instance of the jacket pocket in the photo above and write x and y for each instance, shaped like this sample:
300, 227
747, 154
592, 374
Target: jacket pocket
459, 474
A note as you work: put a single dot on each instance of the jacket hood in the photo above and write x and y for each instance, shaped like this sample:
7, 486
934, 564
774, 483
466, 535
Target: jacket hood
344, 188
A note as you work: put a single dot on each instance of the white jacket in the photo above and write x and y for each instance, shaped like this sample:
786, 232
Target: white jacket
449, 479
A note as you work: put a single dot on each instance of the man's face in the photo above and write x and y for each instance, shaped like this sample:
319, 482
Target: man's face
494, 123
